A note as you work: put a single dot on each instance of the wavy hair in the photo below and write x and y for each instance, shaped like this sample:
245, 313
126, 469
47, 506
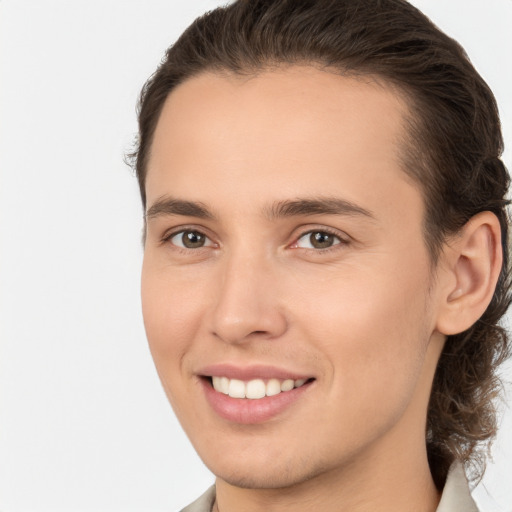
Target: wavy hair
452, 151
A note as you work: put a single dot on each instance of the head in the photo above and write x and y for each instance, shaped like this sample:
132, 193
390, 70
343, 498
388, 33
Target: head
446, 145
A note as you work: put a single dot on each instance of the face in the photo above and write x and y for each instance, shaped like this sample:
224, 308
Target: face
286, 288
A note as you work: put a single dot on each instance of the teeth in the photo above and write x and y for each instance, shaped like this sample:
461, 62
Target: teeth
254, 389
216, 384
236, 388
273, 387
287, 385
224, 385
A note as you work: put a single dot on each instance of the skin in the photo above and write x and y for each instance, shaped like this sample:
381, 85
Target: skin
362, 317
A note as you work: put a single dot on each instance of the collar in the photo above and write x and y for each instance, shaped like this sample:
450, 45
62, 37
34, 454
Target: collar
456, 494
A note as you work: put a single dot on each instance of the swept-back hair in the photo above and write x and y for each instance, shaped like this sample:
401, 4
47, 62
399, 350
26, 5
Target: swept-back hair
452, 151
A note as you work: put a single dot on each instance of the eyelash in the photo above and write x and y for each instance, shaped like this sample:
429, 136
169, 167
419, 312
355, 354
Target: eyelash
342, 241
166, 239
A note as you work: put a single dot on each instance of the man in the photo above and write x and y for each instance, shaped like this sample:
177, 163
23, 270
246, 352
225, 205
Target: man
325, 254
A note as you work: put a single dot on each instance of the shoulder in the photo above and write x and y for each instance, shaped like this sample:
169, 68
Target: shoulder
204, 503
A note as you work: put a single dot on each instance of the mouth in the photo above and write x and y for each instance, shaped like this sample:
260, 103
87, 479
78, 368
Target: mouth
255, 389
249, 398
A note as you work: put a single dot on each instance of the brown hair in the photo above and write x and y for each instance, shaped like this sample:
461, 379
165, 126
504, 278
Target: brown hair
452, 151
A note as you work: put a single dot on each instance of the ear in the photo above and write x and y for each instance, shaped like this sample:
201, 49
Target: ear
469, 273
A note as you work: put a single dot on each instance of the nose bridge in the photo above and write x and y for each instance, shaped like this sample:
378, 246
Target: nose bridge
246, 302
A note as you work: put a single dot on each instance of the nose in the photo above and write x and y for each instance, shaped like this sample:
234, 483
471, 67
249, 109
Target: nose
247, 304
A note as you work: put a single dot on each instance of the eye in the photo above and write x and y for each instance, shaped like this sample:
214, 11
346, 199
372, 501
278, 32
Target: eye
190, 239
317, 240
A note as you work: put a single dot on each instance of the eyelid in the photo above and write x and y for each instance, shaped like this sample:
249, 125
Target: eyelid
343, 238
171, 233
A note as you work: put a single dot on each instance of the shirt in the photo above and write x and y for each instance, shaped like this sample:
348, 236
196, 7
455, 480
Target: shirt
456, 496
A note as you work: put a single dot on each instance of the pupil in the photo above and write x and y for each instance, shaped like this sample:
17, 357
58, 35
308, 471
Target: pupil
321, 240
193, 239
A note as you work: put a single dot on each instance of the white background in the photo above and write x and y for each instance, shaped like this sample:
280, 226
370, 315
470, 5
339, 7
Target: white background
84, 424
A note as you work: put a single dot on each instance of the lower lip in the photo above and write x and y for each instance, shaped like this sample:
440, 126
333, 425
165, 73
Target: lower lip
246, 410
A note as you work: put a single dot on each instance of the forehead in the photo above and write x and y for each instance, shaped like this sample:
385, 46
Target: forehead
279, 133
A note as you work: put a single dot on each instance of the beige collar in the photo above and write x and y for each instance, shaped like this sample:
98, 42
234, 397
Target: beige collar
456, 495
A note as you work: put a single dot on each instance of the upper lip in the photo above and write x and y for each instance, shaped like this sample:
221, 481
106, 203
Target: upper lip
250, 372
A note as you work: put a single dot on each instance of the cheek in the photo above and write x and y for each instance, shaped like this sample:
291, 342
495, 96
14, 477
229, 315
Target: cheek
171, 310
373, 330
171, 307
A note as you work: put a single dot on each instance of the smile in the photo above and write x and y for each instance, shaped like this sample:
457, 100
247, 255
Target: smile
252, 394
254, 389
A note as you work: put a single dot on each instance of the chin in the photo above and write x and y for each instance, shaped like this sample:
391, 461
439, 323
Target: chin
253, 482
273, 474
262, 480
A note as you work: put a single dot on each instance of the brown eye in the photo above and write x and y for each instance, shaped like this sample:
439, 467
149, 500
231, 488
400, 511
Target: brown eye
318, 240
321, 240
190, 239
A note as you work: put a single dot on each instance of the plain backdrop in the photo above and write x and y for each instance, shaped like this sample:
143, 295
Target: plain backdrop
84, 424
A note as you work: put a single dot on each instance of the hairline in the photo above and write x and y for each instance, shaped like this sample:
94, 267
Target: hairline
407, 148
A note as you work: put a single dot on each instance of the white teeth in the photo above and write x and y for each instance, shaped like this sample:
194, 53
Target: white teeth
236, 388
254, 389
273, 387
221, 384
287, 385
224, 385
216, 383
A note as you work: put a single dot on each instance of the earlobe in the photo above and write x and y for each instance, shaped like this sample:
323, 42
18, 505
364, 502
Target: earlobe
470, 271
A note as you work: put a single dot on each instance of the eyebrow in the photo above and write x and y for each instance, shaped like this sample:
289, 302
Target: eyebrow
280, 209
316, 206
172, 206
